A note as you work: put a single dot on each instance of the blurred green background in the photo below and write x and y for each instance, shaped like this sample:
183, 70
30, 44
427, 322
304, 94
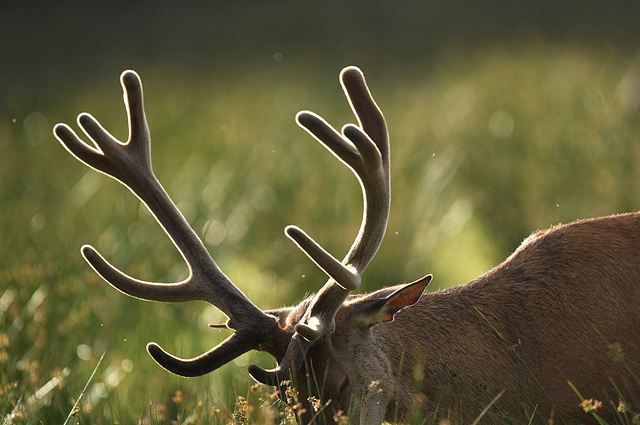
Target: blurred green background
505, 117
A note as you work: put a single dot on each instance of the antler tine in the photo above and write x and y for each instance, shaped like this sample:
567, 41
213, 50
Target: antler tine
367, 155
109, 156
365, 150
130, 163
235, 345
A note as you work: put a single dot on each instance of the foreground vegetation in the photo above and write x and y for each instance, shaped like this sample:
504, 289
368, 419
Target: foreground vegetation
486, 147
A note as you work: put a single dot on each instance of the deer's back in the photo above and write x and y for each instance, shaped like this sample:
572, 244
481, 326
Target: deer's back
562, 307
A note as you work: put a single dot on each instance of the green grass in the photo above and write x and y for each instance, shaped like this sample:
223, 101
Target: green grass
486, 147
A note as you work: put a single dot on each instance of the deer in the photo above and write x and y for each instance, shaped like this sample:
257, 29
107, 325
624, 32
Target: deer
556, 323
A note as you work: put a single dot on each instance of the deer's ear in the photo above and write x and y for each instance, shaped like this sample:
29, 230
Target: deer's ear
380, 306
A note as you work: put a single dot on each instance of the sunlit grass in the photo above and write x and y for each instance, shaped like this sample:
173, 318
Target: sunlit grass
485, 149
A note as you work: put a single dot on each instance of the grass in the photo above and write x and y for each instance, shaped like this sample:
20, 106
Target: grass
487, 146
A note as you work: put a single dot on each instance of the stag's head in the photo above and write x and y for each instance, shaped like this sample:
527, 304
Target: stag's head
324, 345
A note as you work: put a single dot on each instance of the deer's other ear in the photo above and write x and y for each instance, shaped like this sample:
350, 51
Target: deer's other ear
380, 306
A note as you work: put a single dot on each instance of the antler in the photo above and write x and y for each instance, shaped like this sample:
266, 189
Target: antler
130, 163
365, 150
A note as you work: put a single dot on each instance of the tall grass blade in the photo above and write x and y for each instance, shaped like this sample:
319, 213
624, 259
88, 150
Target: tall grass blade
77, 403
487, 407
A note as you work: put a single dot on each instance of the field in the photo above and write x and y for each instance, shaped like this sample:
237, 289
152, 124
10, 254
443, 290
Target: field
488, 145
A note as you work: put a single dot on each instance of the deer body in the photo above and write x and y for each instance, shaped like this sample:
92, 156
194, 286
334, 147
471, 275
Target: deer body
544, 313
564, 307
527, 327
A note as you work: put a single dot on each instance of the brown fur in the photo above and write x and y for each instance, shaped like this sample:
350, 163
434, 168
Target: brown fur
546, 314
